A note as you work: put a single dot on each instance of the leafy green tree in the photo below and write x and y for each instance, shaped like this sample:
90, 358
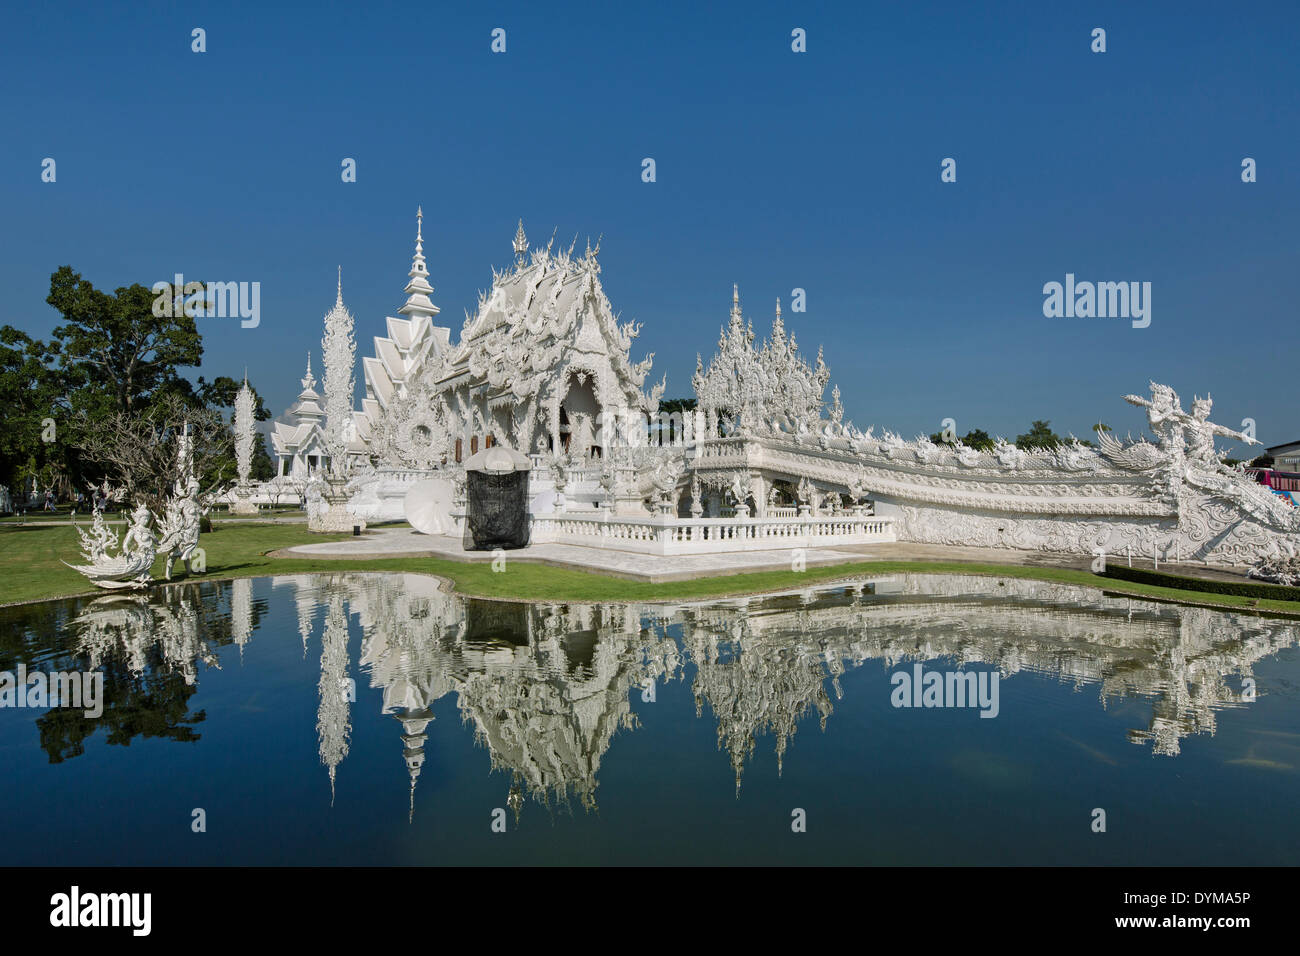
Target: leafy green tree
976, 438
29, 394
671, 405
678, 407
1040, 435
115, 353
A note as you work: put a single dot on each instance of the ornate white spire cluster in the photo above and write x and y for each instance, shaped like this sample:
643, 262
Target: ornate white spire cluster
244, 432
339, 349
760, 385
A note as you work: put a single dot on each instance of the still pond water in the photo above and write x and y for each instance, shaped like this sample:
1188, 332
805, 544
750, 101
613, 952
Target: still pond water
374, 719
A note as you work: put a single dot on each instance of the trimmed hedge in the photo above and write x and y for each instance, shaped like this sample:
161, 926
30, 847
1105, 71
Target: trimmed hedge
1273, 592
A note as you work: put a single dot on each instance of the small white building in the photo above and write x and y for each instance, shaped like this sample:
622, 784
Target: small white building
299, 443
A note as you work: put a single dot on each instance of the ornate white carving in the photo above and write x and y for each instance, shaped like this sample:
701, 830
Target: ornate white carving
177, 535
338, 352
130, 568
244, 433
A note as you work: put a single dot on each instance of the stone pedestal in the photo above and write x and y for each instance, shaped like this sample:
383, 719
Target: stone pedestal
243, 503
630, 505
330, 513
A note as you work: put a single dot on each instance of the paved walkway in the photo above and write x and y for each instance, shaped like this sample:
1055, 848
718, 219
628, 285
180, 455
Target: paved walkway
406, 542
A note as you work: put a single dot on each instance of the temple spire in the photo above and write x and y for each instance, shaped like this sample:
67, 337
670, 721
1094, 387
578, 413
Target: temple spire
339, 299
418, 304
778, 328
521, 244
418, 268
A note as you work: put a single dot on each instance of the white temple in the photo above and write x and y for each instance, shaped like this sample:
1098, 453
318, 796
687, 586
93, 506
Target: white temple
763, 462
298, 443
535, 366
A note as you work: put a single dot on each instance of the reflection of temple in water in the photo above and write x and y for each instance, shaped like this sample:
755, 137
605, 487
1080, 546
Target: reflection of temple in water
547, 686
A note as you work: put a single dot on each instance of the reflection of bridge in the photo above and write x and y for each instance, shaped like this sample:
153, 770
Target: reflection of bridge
547, 686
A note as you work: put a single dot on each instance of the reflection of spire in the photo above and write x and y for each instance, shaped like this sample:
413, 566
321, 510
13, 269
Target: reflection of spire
333, 722
754, 685
241, 613
305, 600
413, 738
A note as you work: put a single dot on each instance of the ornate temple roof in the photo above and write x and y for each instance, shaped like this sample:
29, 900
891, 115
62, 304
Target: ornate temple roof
409, 343
305, 418
545, 308
544, 314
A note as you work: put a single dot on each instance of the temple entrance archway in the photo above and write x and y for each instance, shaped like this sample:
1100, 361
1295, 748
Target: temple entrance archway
581, 411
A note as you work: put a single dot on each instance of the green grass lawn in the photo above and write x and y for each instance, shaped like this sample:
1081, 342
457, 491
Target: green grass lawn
30, 569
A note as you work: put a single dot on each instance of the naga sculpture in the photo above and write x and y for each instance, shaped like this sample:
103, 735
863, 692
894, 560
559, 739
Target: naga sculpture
130, 567
177, 536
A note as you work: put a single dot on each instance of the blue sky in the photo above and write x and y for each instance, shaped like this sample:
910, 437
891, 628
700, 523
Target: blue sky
775, 170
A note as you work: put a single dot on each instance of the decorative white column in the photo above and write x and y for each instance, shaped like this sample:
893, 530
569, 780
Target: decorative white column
244, 435
338, 352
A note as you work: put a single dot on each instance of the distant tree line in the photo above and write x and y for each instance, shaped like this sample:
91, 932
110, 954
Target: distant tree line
1039, 436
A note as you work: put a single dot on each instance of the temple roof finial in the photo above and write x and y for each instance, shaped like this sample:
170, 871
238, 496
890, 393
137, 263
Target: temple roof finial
339, 300
418, 268
418, 289
521, 243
